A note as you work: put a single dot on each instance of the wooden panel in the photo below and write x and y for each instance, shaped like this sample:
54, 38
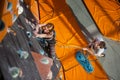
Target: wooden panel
43, 69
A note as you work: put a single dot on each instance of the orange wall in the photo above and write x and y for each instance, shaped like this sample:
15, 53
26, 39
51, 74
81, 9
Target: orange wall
106, 14
6, 16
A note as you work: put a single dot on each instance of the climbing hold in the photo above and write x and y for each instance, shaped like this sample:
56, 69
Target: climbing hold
2, 25
44, 61
41, 51
9, 6
23, 54
14, 72
20, 10
29, 34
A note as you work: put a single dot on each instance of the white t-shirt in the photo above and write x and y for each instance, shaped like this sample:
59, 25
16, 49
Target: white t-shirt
99, 51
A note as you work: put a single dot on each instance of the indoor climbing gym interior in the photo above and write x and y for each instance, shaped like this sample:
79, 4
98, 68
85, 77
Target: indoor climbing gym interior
59, 39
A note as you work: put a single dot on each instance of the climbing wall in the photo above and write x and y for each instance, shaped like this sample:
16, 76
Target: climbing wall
15, 44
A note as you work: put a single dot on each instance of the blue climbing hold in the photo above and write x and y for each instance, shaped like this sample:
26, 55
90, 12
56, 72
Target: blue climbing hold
41, 51
9, 6
14, 72
23, 54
